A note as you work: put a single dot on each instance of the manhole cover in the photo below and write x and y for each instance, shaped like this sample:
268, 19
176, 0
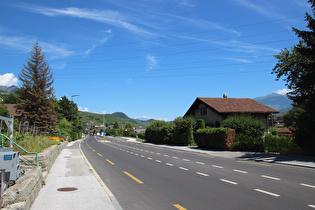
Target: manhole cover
66, 189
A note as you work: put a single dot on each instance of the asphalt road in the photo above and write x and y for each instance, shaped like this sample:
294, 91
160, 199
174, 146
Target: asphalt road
144, 176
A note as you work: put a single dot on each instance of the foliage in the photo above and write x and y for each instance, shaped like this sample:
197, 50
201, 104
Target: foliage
291, 117
141, 135
35, 94
200, 124
213, 138
297, 66
64, 127
4, 111
31, 144
245, 124
281, 144
159, 132
244, 142
69, 111
183, 131
116, 125
11, 99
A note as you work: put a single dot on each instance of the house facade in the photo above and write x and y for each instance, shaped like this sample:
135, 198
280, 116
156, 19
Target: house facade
214, 110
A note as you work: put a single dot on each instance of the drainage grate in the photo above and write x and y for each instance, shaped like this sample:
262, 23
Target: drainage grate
66, 189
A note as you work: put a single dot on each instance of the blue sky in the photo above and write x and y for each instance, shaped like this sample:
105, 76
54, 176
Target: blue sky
150, 58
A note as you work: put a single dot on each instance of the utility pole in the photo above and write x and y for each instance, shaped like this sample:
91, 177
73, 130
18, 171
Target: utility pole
72, 115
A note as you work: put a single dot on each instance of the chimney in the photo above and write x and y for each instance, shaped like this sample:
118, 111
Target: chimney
224, 95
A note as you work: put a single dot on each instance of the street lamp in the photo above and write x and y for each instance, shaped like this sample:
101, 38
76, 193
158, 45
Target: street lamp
72, 116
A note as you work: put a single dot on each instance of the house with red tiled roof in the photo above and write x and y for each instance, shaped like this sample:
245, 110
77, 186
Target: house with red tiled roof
214, 110
12, 110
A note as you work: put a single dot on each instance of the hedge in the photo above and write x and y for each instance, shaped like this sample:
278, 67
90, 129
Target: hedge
215, 138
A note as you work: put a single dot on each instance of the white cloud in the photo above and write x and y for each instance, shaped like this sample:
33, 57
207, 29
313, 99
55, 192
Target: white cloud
152, 62
282, 92
148, 118
8, 79
83, 109
104, 16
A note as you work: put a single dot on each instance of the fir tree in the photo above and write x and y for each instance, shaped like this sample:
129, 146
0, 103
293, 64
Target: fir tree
36, 93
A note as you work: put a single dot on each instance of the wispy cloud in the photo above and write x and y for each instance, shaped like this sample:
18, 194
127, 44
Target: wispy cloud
100, 42
265, 10
186, 3
25, 44
111, 17
8, 79
152, 62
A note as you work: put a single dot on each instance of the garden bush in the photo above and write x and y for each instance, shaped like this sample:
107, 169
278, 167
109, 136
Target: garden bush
245, 124
159, 132
244, 142
183, 131
280, 144
213, 138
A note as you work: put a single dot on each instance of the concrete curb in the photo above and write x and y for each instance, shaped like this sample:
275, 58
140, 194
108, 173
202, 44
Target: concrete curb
21, 195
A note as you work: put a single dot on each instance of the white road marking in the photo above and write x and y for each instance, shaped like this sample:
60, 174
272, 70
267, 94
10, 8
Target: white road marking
307, 185
137, 154
158, 161
270, 177
215, 166
268, 193
185, 169
312, 206
239, 171
227, 181
186, 160
165, 155
169, 164
202, 174
158, 153
149, 158
201, 163
175, 157
152, 152
142, 156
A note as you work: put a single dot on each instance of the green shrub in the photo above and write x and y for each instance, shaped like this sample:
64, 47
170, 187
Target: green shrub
245, 124
213, 138
159, 132
141, 135
244, 142
183, 131
200, 124
281, 144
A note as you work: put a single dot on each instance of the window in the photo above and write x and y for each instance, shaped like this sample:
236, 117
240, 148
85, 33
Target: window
203, 110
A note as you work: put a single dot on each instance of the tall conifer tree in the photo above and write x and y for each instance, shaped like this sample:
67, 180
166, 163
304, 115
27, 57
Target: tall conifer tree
36, 93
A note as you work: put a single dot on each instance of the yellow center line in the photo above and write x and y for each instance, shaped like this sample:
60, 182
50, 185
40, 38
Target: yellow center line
207, 156
134, 178
179, 207
110, 162
260, 164
93, 150
100, 154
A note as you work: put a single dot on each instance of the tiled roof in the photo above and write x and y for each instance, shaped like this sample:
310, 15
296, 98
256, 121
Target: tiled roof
11, 108
237, 105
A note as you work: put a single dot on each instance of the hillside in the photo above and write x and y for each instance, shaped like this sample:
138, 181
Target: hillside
110, 119
279, 102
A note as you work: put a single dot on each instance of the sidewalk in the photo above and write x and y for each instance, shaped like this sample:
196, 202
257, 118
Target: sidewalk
71, 184
254, 156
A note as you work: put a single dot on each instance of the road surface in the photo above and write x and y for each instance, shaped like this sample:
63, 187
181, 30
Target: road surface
146, 176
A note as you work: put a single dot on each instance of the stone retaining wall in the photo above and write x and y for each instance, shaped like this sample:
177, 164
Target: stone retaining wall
21, 195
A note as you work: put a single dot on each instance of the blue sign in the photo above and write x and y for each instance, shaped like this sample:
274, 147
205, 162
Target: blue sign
104, 129
7, 157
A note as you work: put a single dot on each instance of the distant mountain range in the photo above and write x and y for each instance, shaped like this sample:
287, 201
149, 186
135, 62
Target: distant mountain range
276, 101
10, 89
